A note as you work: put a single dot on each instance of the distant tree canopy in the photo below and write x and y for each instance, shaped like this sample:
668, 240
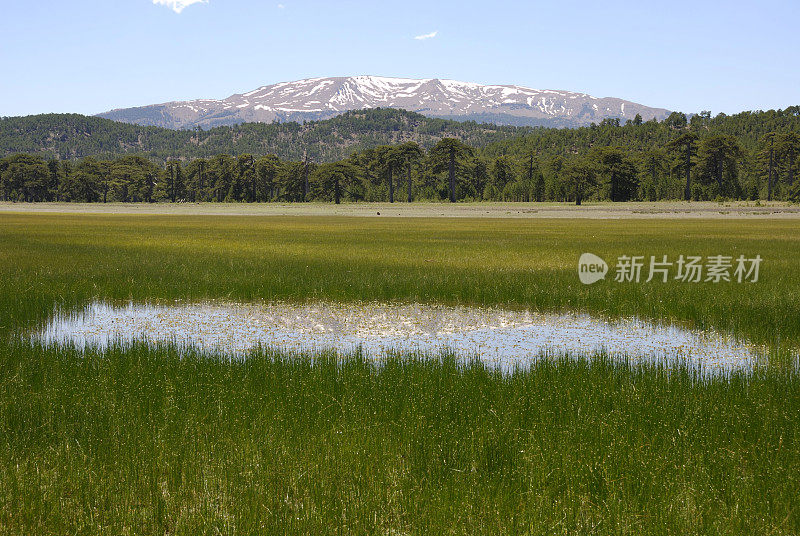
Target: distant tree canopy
753, 155
73, 136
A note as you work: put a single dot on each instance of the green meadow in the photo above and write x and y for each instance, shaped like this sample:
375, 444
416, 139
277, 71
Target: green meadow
147, 440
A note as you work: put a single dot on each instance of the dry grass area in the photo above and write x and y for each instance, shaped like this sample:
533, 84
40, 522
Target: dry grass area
605, 210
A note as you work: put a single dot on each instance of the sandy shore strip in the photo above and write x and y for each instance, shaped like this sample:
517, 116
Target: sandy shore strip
606, 210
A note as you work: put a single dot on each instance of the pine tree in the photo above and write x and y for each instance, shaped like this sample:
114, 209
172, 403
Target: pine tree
336, 178
581, 177
409, 153
718, 158
787, 146
447, 154
686, 142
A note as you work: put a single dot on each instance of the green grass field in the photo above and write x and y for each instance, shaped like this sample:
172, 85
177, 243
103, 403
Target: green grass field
145, 441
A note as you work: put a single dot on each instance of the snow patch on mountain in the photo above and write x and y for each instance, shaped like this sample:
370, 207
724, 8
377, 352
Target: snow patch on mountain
320, 98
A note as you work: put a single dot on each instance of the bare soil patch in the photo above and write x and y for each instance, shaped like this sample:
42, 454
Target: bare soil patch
672, 209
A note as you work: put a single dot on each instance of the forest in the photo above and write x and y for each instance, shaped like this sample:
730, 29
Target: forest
74, 136
752, 156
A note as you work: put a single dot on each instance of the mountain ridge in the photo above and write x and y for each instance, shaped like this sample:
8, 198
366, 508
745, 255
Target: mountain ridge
314, 99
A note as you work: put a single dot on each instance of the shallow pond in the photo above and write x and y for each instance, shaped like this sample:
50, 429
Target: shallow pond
502, 337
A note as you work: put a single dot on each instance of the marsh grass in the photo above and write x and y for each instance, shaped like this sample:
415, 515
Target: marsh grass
150, 440
146, 440
72, 260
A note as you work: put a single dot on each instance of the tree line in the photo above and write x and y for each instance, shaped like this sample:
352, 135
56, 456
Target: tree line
685, 159
74, 136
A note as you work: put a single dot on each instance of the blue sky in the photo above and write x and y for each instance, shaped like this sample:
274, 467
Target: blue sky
89, 56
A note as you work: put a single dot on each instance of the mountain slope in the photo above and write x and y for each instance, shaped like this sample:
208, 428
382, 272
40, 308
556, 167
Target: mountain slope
68, 136
322, 98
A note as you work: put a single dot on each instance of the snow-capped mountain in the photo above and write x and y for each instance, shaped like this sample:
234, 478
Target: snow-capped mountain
322, 98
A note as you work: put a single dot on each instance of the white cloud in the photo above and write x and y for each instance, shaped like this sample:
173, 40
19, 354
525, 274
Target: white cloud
426, 36
281, 6
178, 5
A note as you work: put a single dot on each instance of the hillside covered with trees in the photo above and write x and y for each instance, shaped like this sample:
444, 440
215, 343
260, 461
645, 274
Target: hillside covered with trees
73, 136
753, 155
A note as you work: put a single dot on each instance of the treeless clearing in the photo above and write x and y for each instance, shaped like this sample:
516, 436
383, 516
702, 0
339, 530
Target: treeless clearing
605, 210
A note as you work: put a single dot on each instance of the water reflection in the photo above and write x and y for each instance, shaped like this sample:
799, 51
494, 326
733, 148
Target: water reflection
502, 337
